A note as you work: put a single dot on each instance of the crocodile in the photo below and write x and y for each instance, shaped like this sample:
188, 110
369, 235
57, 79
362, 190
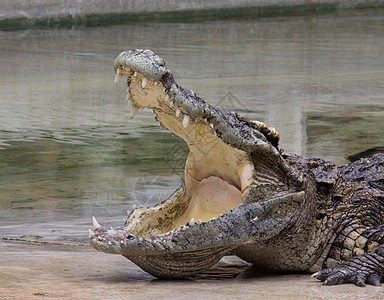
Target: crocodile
242, 195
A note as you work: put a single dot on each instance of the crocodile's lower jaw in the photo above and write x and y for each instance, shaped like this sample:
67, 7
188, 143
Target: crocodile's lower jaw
216, 177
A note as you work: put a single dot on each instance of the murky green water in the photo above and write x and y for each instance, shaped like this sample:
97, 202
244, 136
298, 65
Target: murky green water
70, 151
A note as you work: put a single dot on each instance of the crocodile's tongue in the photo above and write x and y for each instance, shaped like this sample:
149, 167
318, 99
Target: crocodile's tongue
210, 198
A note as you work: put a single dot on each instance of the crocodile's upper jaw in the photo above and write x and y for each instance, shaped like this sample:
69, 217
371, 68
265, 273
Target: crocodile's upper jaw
216, 176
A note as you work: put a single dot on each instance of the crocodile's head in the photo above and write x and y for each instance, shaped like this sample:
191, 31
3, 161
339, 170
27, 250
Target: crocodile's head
237, 187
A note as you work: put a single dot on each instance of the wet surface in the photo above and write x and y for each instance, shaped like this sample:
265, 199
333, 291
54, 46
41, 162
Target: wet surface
70, 272
68, 149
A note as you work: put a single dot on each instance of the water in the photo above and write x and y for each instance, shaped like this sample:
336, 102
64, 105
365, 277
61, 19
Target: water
68, 149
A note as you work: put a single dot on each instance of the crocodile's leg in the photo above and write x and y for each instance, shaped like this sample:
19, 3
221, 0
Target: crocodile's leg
367, 268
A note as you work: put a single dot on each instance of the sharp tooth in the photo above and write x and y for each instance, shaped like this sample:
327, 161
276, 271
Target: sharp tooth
144, 82
134, 206
91, 233
118, 75
166, 97
134, 110
129, 103
177, 112
156, 83
95, 223
192, 222
164, 89
109, 243
185, 121
171, 104
135, 74
211, 124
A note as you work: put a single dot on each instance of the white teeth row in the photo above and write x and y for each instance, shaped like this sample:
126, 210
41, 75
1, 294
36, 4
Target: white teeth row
96, 225
178, 113
191, 223
144, 83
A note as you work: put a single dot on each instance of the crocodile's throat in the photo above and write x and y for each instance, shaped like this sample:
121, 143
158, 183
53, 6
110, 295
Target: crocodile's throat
217, 176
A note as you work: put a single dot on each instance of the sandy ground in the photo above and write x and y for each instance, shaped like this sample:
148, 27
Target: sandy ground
48, 271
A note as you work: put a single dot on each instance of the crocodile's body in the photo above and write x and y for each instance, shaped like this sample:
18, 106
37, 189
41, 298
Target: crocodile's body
241, 195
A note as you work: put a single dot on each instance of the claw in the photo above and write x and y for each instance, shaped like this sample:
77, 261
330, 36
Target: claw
95, 223
91, 233
314, 274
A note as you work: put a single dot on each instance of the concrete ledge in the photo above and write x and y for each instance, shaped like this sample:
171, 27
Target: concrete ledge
18, 13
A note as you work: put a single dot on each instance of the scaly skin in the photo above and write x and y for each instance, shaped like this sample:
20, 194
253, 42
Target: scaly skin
241, 195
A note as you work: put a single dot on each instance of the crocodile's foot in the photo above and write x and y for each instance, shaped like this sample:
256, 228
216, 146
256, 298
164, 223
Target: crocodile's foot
360, 270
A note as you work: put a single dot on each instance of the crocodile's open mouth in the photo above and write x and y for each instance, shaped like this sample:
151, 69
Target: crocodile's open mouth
234, 180
217, 176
